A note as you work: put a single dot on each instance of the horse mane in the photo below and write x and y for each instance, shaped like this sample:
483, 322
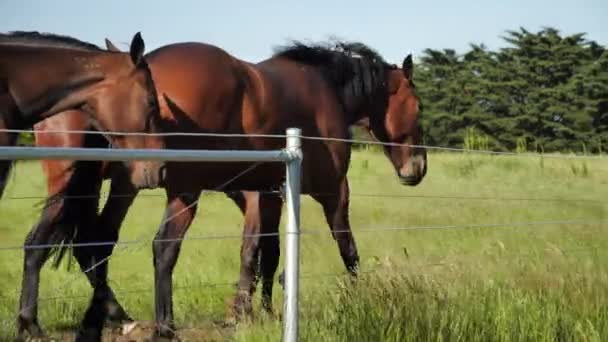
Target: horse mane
323, 53
355, 70
37, 39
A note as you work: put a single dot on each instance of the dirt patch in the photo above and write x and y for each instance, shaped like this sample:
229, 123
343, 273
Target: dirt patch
141, 331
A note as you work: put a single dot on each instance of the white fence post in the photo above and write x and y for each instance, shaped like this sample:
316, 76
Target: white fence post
292, 248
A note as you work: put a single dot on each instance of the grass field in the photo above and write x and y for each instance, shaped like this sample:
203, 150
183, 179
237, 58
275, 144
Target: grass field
514, 282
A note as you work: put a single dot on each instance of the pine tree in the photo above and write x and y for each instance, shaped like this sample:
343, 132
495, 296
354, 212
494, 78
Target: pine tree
545, 91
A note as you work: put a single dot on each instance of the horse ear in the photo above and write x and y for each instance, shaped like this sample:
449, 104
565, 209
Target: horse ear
408, 67
111, 47
137, 49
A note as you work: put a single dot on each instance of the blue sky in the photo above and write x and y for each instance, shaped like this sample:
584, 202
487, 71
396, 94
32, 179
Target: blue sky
250, 29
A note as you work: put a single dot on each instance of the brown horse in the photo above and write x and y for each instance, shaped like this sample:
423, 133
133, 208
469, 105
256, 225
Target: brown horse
70, 215
44, 74
321, 90
74, 192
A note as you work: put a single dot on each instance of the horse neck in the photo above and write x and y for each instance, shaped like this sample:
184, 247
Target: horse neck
362, 96
362, 109
355, 115
68, 75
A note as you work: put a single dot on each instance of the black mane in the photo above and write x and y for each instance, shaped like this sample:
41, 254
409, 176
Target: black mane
323, 53
34, 38
355, 70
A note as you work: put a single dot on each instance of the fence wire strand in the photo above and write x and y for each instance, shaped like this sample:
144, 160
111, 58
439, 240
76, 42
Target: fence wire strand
105, 195
304, 137
316, 231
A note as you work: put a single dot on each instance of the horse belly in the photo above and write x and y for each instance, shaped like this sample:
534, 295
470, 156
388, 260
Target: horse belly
227, 176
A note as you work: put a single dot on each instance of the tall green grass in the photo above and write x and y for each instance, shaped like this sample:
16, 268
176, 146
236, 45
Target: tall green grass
528, 283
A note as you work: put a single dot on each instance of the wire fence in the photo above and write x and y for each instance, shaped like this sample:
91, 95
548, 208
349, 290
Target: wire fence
141, 240
309, 138
377, 269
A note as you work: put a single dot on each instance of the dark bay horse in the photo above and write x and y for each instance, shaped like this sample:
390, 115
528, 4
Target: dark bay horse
45, 74
321, 90
74, 193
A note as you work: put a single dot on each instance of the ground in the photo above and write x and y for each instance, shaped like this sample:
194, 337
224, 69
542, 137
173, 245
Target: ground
491, 275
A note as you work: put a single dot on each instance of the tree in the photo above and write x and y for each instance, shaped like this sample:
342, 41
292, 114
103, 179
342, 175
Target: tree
543, 90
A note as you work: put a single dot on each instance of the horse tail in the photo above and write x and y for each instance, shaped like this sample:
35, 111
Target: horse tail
64, 234
75, 211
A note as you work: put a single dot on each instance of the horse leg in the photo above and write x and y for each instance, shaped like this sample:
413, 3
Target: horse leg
335, 208
6, 139
82, 188
252, 223
122, 194
5, 171
248, 204
57, 224
270, 211
93, 260
179, 214
259, 254
34, 259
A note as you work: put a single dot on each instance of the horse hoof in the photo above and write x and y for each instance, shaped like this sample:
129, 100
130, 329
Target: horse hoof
268, 310
164, 333
29, 330
88, 335
157, 338
229, 322
36, 339
30, 338
27, 337
242, 306
117, 317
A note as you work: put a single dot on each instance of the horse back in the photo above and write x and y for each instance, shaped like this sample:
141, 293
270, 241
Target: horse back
199, 87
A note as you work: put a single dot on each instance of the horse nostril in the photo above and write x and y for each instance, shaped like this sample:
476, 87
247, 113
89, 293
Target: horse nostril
410, 180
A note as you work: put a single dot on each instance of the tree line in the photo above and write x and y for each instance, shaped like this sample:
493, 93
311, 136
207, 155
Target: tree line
543, 92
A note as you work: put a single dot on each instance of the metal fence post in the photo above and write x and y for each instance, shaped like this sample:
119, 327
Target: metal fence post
292, 249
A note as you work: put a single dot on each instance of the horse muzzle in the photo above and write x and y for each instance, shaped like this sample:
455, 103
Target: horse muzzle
410, 180
413, 171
